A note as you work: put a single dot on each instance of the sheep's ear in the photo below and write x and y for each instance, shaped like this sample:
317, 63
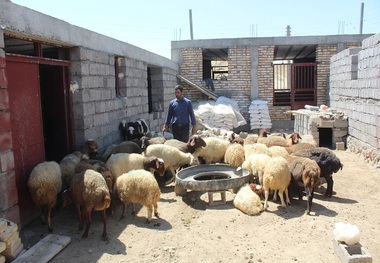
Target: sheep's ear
306, 179
157, 163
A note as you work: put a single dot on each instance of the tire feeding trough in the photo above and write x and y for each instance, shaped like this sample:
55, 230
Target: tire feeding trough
211, 178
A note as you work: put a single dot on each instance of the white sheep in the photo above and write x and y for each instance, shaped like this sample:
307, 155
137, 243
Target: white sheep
255, 164
214, 150
256, 148
45, 183
173, 158
274, 140
277, 151
250, 139
139, 186
276, 177
89, 191
308, 138
234, 155
248, 201
120, 163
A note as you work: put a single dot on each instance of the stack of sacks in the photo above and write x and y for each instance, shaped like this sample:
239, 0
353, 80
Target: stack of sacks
221, 114
259, 115
10, 242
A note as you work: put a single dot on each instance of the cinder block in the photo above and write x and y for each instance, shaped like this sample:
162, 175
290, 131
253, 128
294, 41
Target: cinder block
351, 253
211, 201
340, 146
340, 123
326, 124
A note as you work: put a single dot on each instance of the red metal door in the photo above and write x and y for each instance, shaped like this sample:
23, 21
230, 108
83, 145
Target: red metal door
304, 85
27, 128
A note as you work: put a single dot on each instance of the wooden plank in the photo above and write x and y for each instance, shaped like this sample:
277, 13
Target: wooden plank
44, 250
204, 91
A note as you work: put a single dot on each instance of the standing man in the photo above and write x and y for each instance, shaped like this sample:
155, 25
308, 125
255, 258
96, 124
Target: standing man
180, 115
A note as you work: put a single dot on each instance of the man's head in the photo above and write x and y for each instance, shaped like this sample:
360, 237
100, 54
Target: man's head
178, 92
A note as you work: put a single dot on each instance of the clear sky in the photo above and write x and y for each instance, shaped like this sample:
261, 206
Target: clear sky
153, 24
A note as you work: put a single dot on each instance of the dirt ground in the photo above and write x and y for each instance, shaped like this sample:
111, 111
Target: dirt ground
189, 230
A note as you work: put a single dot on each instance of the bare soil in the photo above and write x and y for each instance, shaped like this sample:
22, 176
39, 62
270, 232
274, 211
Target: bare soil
189, 230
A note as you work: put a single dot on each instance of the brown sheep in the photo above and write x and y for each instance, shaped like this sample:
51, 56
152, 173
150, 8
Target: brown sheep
69, 162
123, 147
89, 192
305, 176
293, 138
298, 147
327, 161
98, 166
194, 142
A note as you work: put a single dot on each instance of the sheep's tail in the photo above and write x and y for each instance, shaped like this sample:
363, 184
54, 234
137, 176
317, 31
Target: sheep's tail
107, 201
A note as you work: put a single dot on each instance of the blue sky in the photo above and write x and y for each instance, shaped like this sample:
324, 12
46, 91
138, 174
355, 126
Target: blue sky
153, 24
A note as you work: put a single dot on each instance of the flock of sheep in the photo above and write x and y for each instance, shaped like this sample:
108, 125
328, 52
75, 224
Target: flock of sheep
125, 173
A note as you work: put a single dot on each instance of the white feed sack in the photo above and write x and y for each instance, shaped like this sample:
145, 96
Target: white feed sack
259, 115
219, 114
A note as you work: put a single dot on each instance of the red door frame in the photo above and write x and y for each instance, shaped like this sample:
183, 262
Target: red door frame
26, 120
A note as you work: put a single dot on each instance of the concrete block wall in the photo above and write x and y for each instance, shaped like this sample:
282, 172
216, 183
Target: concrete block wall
96, 108
96, 112
355, 89
168, 80
8, 191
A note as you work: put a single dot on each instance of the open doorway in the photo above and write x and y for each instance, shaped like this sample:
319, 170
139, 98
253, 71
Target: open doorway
54, 111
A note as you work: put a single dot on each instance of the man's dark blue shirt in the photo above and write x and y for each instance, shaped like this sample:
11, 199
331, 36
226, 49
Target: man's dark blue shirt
180, 111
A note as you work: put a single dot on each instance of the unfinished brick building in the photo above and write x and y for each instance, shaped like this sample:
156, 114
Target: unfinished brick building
287, 72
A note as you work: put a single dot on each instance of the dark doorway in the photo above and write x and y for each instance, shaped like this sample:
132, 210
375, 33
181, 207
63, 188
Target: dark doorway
52, 86
325, 137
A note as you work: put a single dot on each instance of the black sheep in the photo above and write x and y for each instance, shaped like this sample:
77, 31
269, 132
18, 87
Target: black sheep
327, 161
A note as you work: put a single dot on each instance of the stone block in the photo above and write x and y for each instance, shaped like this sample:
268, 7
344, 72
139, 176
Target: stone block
341, 123
326, 124
340, 146
351, 253
339, 132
